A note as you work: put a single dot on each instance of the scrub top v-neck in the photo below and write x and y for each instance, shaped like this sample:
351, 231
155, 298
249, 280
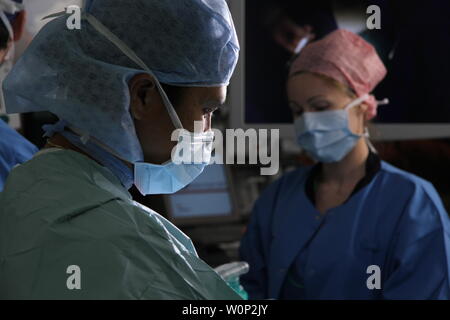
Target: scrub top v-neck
294, 284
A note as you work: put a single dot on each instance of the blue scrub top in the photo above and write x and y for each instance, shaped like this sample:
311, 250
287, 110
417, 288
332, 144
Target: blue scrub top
396, 222
14, 150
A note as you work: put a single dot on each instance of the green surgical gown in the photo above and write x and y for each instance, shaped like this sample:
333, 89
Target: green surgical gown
62, 209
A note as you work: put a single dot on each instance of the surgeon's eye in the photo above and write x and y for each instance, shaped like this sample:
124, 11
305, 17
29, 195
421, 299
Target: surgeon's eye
321, 106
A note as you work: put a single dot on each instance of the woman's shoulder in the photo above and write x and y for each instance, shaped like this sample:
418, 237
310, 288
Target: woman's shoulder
404, 178
411, 185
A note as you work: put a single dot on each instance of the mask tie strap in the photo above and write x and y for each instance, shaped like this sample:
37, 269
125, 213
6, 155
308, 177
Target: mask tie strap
11, 7
383, 102
366, 136
357, 102
102, 29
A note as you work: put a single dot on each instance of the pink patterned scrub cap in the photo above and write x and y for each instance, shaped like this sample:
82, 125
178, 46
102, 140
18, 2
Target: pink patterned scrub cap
347, 58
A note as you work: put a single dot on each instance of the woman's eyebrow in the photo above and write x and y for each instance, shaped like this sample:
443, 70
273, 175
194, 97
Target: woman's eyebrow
308, 101
314, 98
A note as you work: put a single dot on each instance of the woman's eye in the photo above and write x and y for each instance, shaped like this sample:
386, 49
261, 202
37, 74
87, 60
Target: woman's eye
321, 106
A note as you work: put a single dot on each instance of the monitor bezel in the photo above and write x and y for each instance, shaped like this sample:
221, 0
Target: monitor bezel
379, 132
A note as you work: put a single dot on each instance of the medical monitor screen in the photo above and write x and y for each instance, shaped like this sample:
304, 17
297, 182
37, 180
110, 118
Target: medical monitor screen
209, 196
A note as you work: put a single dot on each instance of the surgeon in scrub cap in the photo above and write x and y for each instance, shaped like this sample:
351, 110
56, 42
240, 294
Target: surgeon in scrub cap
121, 84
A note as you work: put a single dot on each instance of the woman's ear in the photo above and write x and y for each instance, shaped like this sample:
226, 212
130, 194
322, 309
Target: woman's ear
364, 107
142, 90
18, 25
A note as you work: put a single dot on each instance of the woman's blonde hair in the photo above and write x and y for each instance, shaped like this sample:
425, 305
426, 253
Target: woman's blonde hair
332, 82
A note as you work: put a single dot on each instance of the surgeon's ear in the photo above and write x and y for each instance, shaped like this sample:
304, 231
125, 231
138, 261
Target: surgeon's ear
143, 92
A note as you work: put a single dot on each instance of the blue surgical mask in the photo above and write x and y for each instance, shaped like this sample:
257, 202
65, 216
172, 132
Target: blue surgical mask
189, 158
181, 170
326, 135
165, 179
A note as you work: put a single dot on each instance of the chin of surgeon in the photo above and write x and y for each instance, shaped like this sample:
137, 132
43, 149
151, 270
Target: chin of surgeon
14, 149
351, 226
120, 86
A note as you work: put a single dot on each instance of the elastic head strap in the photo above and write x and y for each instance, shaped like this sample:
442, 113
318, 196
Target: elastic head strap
357, 102
103, 30
11, 7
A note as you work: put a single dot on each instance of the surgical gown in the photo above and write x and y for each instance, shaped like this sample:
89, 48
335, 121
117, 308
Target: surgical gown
395, 223
62, 209
14, 149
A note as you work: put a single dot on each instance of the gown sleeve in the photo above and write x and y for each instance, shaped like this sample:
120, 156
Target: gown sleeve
256, 242
419, 262
251, 251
